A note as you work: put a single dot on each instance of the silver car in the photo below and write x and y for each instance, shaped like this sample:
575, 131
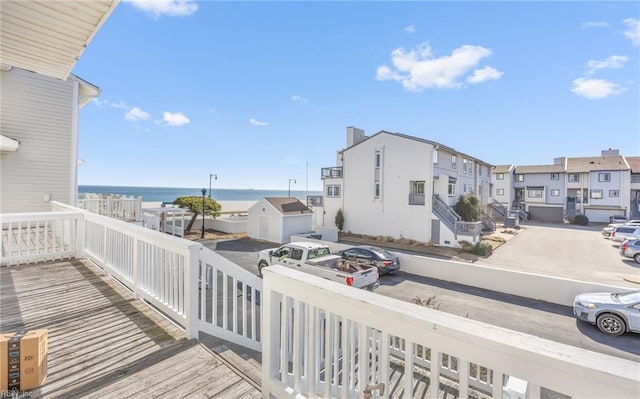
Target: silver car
630, 248
612, 313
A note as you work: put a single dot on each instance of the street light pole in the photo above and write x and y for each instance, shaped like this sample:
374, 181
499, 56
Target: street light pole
204, 191
294, 182
215, 177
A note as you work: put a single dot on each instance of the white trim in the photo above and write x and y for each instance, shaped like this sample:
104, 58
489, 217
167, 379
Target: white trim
73, 156
8, 144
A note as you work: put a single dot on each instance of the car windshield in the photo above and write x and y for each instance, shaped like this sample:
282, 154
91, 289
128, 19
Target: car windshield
627, 298
382, 254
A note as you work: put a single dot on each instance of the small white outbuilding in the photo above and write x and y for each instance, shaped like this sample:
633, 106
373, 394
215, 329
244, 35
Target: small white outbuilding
276, 219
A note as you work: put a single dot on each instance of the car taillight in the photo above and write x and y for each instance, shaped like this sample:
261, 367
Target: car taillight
613, 233
349, 281
624, 246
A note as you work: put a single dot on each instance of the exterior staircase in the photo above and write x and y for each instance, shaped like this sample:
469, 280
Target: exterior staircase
243, 364
488, 223
498, 211
445, 213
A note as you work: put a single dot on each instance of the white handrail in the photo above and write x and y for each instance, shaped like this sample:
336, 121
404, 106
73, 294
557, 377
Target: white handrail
348, 329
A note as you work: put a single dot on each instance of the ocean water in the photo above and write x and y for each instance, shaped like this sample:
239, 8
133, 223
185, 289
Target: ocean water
169, 194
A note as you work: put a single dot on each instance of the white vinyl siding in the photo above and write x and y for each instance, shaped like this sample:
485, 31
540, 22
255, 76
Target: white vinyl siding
38, 112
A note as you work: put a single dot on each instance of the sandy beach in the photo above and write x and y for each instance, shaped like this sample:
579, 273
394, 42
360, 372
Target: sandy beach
228, 207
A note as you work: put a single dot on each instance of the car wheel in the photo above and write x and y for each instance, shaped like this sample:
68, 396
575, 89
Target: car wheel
611, 324
261, 266
636, 257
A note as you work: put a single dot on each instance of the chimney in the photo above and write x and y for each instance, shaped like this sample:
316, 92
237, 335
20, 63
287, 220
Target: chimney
610, 153
559, 161
354, 136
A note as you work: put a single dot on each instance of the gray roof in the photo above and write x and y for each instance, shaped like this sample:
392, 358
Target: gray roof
634, 164
588, 164
421, 140
502, 168
539, 169
288, 205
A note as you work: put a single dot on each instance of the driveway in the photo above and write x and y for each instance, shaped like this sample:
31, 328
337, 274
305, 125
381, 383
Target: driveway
574, 252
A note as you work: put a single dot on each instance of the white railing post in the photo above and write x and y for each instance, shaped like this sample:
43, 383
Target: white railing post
191, 269
80, 226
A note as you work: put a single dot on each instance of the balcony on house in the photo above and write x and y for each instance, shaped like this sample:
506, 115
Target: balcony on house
331, 173
315, 200
315, 338
416, 199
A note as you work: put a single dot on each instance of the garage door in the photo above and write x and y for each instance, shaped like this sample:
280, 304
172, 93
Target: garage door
601, 215
546, 213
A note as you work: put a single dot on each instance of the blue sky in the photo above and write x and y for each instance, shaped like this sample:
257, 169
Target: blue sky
262, 92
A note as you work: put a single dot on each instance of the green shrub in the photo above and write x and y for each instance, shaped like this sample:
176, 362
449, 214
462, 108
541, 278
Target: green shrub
339, 220
582, 220
482, 249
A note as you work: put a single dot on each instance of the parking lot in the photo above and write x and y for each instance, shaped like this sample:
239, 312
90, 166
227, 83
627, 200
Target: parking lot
537, 249
569, 251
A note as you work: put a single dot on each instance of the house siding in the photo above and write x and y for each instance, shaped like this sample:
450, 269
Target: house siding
403, 160
38, 112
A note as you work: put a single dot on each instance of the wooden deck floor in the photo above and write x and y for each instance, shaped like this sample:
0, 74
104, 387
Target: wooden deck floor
103, 343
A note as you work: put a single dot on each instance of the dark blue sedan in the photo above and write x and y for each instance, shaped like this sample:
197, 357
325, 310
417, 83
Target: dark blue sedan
386, 262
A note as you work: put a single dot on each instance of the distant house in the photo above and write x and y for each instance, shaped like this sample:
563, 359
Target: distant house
540, 190
502, 184
277, 219
634, 164
598, 187
393, 184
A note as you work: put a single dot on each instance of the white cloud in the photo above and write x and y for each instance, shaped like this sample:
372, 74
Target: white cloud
175, 118
298, 99
171, 8
410, 29
595, 24
120, 105
484, 74
633, 32
418, 69
136, 114
256, 122
99, 103
613, 62
594, 89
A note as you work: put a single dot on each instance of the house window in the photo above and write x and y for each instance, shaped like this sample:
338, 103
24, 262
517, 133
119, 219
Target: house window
376, 176
604, 177
534, 193
417, 187
499, 176
465, 165
452, 189
435, 156
378, 159
520, 177
596, 194
573, 177
454, 161
555, 176
464, 187
376, 190
500, 191
333, 191
614, 193
555, 192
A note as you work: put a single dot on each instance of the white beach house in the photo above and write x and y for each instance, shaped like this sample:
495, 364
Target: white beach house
392, 184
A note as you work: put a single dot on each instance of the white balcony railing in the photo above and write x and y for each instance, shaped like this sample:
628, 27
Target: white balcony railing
115, 206
318, 338
328, 340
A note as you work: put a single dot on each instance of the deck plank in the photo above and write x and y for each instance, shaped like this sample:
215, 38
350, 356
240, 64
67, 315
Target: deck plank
103, 342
